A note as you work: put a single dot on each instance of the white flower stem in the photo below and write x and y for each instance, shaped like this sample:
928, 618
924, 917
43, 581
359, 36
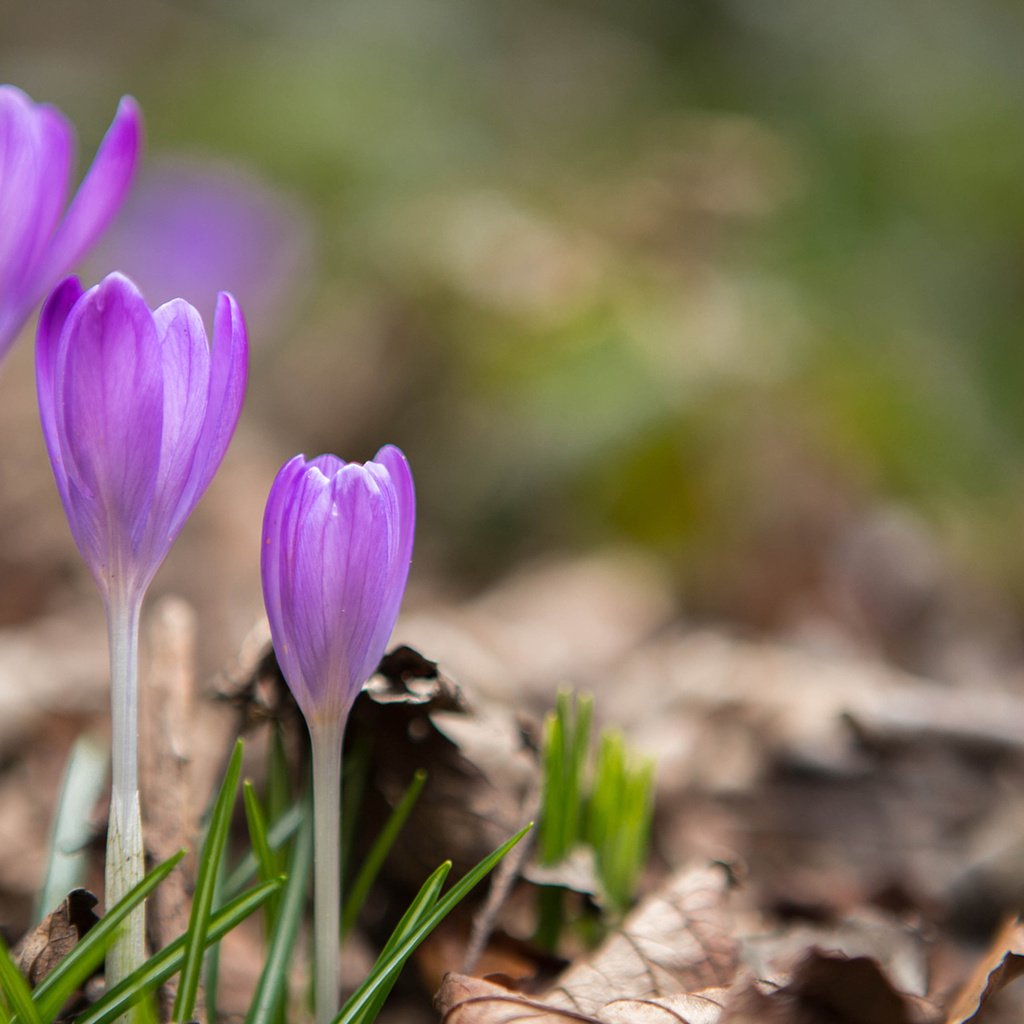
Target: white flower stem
125, 861
326, 738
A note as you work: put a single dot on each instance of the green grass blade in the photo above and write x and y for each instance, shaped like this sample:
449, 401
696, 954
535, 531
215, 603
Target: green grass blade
279, 789
417, 911
206, 880
84, 778
169, 960
265, 857
378, 852
425, 899
16, 990
71, 973
279, 784
553, 800
563, 823
277, 835
269, 996
211, 960
578, 748
355, 772
386, 970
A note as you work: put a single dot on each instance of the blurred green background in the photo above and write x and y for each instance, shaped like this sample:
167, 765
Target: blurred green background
720, 279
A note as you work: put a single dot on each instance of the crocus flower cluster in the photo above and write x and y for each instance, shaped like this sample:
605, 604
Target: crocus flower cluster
337, 543
137, 411
37, 246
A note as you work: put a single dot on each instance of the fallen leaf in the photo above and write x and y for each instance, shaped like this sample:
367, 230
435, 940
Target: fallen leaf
698, 1008
678, 940
479, 1001
773, 956
826, 989
657, 969
55, 936
1003, 964
465, 1000
480, 763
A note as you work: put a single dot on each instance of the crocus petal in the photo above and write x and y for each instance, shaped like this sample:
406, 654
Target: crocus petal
229, 362
109, 417
35, 153
279, 526
366, 534
314, 624
401, 495
36, 144
99, 196
19, 165
56, 149
51, 324
35, 161
185, 358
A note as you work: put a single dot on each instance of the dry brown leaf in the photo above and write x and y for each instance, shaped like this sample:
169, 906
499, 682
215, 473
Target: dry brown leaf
825, 990
481, 767
773, 956
55, 936
697, 1008
468, 1000
678, 940
1003, 963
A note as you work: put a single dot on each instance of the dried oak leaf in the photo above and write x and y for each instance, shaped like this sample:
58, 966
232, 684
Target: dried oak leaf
41, 949
1003, 963
674, 947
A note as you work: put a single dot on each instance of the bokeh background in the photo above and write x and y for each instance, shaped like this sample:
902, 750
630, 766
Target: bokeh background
702, 325
736, 284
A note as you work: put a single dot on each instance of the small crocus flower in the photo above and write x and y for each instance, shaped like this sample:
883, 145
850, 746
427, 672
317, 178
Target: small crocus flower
337, 543
137, 412
37, 246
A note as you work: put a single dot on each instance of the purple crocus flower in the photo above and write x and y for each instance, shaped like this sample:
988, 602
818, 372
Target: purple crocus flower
337, 542
37, 247
137, 413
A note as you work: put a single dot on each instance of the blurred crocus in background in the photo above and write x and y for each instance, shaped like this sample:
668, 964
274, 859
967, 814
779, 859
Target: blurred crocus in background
193, 225
37, 247
137, 412
337, 544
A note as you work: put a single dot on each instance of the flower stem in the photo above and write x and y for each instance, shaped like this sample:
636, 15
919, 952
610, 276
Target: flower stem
326, 738
125, 862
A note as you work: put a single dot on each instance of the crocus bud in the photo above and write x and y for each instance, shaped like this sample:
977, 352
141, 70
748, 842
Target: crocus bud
337, 543
137, 412
37, 247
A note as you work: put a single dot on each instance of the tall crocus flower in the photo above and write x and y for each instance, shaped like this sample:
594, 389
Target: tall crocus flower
137, 412
337, 543
37, 246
